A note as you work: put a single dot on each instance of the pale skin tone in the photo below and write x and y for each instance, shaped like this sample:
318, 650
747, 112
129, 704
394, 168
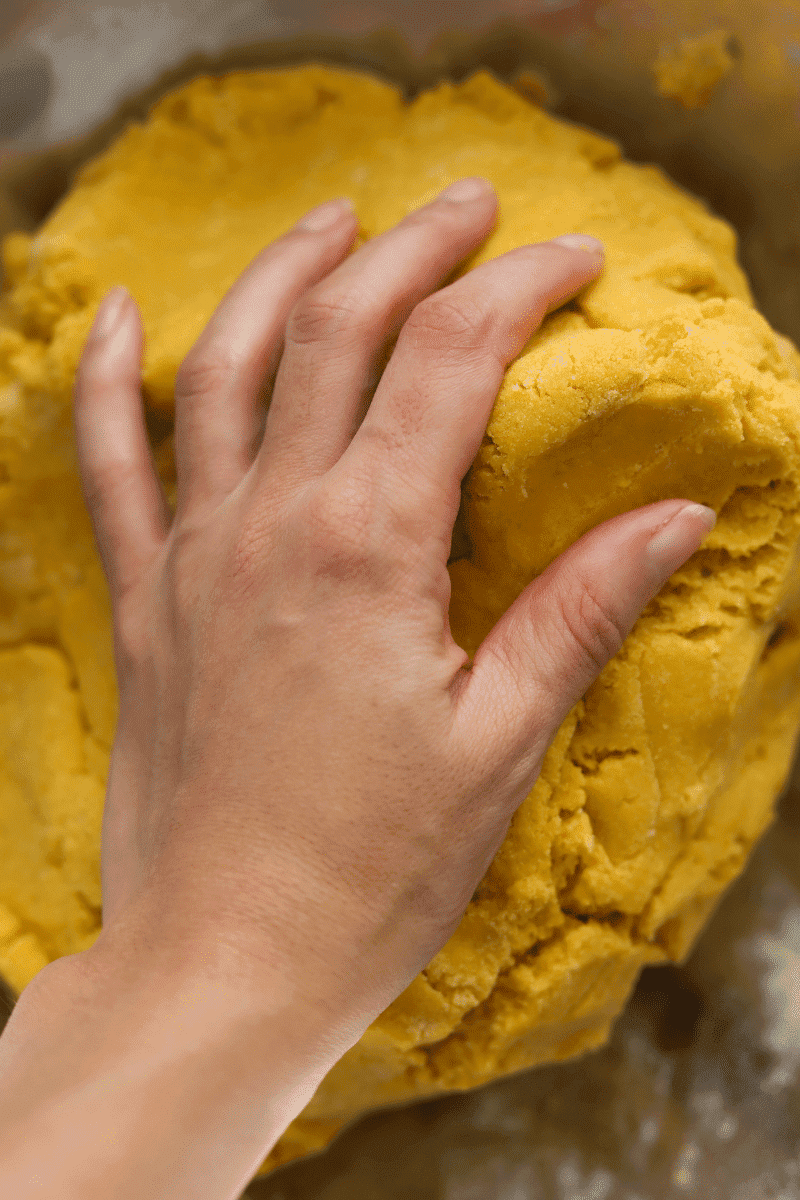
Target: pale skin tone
309, 777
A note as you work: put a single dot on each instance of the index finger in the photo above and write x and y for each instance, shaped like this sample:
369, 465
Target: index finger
431, 408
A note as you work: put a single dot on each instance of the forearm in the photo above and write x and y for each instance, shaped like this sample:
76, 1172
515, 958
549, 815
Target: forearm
131, 1084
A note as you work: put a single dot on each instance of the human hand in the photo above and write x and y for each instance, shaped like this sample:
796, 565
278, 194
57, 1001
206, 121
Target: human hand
307, 769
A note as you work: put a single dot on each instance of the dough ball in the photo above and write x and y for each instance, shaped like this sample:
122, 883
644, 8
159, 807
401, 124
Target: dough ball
659, 380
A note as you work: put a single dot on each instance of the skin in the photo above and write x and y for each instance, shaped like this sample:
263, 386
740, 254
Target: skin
309, 777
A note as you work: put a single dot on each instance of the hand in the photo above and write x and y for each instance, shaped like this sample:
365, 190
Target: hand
307, 769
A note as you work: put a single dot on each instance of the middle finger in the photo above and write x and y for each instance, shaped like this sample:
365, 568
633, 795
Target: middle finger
336, 331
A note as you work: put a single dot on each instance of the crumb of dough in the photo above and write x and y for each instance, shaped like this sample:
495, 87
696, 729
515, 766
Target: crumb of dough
691, 70
659, 380
533, 87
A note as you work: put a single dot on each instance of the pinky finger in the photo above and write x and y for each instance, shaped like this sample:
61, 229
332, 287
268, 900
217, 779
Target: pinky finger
123, 494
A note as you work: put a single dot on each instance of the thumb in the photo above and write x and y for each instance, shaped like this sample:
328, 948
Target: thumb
560, 632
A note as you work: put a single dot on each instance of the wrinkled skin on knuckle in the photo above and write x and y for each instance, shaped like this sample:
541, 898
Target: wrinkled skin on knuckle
324, 314
331, 532
339, 535
591, 623
204, 375
511, 750
450, 325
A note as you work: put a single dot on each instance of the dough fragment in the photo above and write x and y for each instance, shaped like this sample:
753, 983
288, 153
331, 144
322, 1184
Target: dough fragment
691, 70
659, 380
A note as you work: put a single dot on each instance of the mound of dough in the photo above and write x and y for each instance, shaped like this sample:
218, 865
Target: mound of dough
660, 380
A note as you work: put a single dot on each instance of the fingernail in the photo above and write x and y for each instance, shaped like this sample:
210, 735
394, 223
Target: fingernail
681, 536
326, 215
471, 188
109, 313
580, 241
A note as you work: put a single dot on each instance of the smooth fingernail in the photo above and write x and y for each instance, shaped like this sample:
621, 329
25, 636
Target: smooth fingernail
108, 314
471, 188
580, 241
682, 534
326, 215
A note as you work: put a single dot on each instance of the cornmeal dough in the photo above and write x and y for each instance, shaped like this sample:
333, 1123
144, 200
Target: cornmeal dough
691, 71
660, 380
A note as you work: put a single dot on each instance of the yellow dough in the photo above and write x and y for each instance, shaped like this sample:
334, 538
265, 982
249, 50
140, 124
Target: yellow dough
691, 71
660, 380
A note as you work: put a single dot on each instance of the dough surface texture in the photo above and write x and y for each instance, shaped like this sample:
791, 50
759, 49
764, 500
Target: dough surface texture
660, 380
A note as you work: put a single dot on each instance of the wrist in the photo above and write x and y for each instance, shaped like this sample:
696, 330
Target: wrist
320, 969
268, 977
124, 1078
206, 991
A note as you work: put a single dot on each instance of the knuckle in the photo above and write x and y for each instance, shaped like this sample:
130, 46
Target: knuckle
324, 314
204, 375
446, 322
338, 517
592, 625
340, 532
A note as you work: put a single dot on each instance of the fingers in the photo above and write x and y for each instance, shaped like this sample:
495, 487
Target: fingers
121, 488
560, 632
431, 408
432, 405
218, 418
336, 332
216, 414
